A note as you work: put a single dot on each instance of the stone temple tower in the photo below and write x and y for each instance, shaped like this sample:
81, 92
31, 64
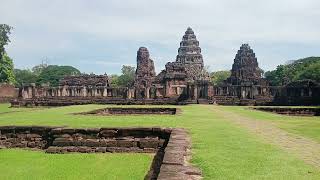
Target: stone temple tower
245, 69
145, 74
189, 54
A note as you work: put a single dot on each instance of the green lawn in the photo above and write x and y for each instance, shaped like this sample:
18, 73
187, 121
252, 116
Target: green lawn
23, 164
221, 149
305, 126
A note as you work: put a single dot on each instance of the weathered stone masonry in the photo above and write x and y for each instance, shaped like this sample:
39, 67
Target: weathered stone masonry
183, 81
133, 111
170, 145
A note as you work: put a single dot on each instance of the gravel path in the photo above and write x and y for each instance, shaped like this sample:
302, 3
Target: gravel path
304, 148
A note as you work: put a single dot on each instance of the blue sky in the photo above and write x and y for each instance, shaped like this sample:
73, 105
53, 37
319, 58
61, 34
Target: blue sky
99, 36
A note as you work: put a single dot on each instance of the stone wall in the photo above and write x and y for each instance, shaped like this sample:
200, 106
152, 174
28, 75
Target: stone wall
136, 111
292, 111
171, 146
62, 140
67, 101
8, 92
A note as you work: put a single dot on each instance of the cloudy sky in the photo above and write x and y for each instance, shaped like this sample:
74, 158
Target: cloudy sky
99, 36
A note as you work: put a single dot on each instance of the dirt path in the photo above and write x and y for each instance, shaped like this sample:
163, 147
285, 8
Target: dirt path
304, 148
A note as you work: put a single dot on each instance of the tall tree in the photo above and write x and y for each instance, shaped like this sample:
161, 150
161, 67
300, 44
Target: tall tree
6, 64
5, 30
127, 76
6, 70
219, 76
24, 76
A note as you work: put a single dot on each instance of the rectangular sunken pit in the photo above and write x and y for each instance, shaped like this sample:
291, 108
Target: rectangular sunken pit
170, 145
291, 111
133, 111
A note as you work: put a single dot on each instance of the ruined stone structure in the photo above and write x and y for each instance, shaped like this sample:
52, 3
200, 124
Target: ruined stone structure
170, 145
245, 85
182, 81
189, 55
145, 74
8, 92
185, 78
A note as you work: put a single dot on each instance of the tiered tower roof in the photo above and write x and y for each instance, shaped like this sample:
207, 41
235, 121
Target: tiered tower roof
189, 54
245, 66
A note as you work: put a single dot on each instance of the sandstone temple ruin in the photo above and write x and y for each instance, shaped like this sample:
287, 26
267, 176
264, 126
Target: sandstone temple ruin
182, 81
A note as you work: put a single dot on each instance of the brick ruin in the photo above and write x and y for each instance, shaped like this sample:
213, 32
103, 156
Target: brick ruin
183, 81
170, 145
7, 92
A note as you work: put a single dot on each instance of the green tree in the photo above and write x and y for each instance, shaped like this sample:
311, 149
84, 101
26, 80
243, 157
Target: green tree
307, 68
114, 80
24, 76
127, 76
39, 68
6, 63
311, 72
6, 70
219, 76
53, 73
5, 31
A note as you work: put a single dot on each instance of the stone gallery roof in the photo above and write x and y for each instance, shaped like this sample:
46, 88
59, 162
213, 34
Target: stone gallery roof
85, 80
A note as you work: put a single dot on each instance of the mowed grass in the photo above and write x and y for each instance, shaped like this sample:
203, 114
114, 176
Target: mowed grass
24, 164
221, 149
300, 125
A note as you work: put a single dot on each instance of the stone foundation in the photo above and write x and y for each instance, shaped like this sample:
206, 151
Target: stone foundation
68, 101
171, 146
132, 111
292, 111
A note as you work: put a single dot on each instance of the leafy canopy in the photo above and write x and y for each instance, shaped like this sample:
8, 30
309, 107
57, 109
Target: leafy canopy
53, 73
302, 69
5, 31
6, 70
125, 79
6, 63
219, 76
24, 76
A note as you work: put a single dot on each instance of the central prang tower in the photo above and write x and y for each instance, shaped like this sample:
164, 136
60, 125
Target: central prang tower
189, 54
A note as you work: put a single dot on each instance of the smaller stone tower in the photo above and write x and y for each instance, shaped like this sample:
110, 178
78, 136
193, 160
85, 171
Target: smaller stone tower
245, 69
145, 74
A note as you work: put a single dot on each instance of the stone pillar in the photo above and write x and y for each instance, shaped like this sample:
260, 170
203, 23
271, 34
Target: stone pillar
167, 92
64, 91
195, 92
105, 92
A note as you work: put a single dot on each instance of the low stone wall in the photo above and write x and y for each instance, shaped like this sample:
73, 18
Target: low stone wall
67, 101
8, 92
171, 146
134, 111
291, 111
62, 140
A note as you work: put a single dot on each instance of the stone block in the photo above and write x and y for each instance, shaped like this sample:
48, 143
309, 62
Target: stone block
31, 144
108, 133
126, 143
52, 149
91, 143
62, 143
149, 143
101, 149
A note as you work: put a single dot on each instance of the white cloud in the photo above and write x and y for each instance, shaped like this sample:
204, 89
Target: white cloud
72, 28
